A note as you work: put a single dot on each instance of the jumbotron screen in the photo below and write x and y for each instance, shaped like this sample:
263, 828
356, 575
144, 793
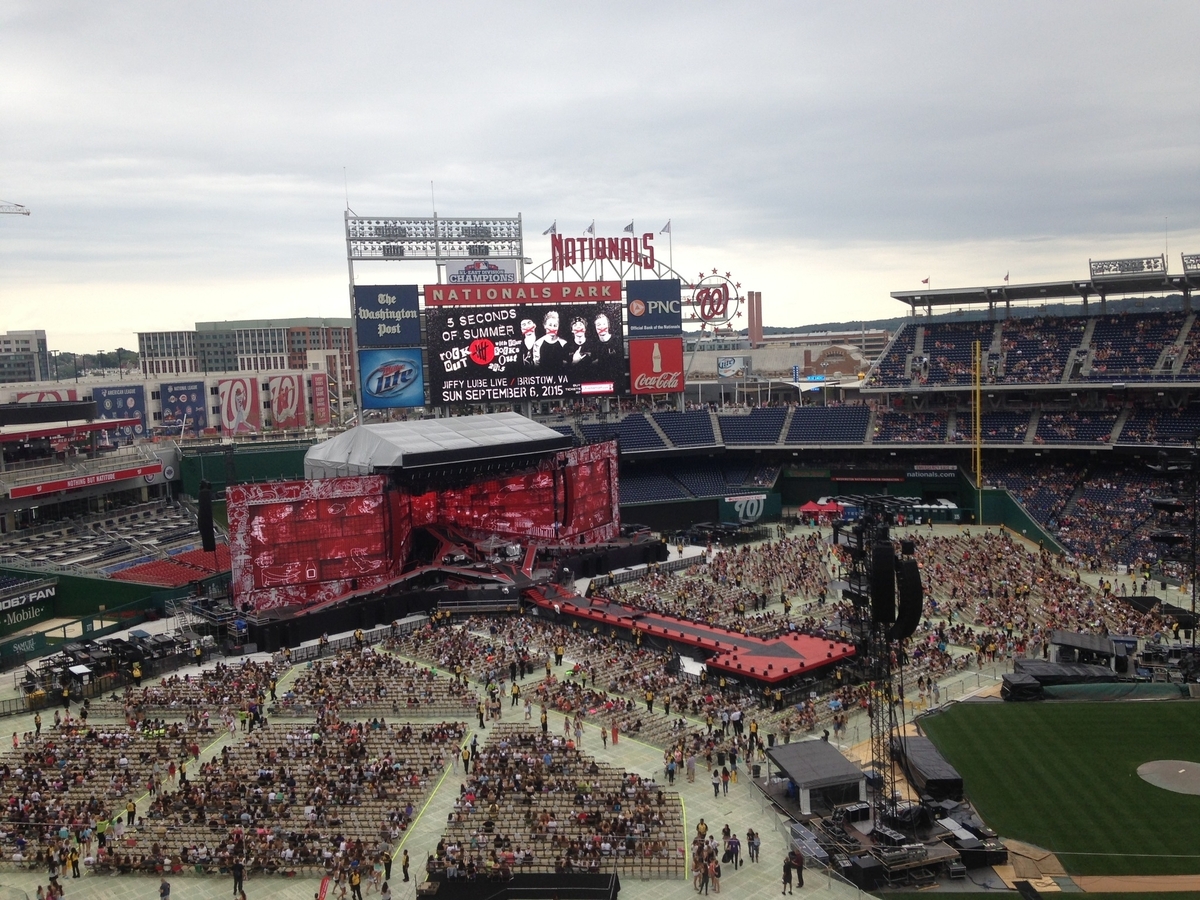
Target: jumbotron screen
524, 352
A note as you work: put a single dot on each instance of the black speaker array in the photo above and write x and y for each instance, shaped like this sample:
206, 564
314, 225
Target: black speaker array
883, 582
204, 518
912, 599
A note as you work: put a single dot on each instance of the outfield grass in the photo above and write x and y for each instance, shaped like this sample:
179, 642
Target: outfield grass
1063, 776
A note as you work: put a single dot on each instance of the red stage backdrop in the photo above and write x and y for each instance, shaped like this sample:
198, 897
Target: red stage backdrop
303, 542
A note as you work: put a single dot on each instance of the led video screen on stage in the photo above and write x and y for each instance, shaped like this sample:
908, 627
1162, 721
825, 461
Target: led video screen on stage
524, 352
570, 496
302, 542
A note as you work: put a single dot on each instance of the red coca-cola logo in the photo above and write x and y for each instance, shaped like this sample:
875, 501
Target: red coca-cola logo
664, 381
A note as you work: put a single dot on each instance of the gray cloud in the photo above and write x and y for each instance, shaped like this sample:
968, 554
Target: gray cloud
160, 143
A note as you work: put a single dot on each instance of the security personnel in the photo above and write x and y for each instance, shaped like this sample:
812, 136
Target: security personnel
137, 674
516, 695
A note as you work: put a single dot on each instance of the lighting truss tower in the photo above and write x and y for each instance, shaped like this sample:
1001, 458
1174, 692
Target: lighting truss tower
888, 597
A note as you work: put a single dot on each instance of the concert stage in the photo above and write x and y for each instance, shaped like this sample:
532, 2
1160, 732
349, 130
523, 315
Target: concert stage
770, 660
523, 887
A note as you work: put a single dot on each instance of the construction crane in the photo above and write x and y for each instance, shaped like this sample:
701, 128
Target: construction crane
13, 209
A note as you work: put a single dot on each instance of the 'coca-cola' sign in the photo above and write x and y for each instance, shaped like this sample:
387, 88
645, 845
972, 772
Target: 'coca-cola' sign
656, 366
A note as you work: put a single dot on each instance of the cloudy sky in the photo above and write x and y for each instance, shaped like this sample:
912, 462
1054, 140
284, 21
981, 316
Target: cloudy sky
185, 161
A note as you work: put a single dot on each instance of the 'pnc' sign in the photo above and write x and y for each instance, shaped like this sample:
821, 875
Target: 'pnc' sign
654, 308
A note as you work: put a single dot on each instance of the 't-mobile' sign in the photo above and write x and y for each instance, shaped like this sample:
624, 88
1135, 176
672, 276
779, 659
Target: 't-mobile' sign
66, 484
526, 292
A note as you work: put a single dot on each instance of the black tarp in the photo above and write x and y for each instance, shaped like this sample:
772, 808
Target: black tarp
1019, 687
927, 769
814, 765
1049, 673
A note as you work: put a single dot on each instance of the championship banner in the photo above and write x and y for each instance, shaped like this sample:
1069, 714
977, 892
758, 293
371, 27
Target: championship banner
481, 271
240, 410
320, 399
523, 352
184, 406
529, 292
287, 401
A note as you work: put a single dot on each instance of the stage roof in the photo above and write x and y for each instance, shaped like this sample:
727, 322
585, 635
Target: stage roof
814, 764
370, 449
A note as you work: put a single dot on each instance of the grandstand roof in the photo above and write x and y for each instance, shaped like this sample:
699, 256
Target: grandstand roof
1050, 290
73, 430
368, 449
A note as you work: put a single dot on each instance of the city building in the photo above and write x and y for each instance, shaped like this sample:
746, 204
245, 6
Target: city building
24, 357
250, 345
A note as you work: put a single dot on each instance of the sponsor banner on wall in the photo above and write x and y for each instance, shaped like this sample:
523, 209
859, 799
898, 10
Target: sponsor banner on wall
320, 398
391, 379
288, 409
387, 315
524, 352
656, 366
733, 366
516, 294
122, 402
241, 412
655, 308
59, 395
481, 271
184, 406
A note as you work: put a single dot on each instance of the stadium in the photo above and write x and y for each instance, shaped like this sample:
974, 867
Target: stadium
523, 611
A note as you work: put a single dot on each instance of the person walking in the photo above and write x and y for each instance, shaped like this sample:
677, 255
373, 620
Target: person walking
239, 874
714, 874
716, 783
725, 780
787, 876
753, 843
164, 890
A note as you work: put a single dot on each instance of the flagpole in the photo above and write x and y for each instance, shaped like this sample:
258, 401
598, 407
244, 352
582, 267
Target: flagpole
670, 245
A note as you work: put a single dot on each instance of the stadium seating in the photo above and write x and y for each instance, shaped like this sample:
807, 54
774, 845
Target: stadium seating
761, 426
1036, 350
1161, 426
889, 370
218, 562
1003, 427
897, 426
634, 433
649, 488
1126, 347
1075, 428
687, 429
162, 572
949, 351
702, 480
828, 425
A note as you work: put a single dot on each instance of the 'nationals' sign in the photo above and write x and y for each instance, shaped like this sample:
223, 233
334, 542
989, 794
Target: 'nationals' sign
82, 481
496, 295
